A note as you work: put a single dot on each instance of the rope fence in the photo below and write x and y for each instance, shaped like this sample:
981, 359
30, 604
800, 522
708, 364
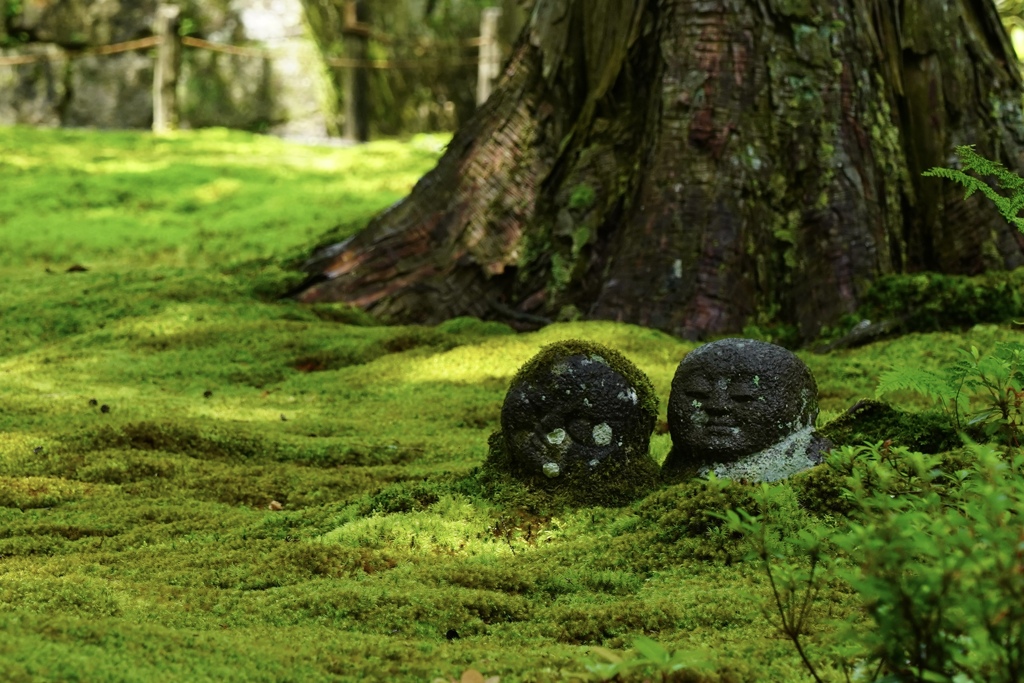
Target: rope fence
115, 48
141, 44
390, 64
241, 51
338, 62
223, 48
18, 60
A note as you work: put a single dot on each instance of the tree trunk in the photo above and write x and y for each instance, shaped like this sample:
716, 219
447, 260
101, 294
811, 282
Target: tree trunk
357, 120
701, 165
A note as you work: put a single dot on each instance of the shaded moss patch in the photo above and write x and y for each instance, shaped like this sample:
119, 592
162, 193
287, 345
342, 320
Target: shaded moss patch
873, 421
926, 302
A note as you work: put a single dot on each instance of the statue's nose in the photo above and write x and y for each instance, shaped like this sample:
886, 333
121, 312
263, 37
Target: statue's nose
717, 401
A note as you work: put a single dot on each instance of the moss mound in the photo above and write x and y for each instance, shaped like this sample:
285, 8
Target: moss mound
871, 421
926, 302
694, 508
820, 490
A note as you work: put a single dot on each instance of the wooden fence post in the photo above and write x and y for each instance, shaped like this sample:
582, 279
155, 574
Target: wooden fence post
489, 66
165, 71
356, 80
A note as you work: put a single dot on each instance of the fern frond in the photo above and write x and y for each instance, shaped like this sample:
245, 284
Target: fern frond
1010, 207
924, 382
973, 161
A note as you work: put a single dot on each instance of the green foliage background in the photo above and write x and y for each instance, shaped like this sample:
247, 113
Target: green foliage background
285, 492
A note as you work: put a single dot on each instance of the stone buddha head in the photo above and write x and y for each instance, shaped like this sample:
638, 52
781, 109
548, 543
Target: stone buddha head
579, 416
738, 398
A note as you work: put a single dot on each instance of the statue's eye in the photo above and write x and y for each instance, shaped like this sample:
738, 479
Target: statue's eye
742, 397
697, 394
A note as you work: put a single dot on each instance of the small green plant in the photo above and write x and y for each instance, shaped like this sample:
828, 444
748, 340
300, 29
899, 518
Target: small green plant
798, 568
937, 558
880, 466
994, 379
651, 659
1010, 206
940, 566
981, 393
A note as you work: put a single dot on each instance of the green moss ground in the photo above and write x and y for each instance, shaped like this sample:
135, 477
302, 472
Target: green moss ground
139, 543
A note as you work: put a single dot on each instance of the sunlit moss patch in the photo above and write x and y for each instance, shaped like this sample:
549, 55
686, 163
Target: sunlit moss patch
200, 481
36, 492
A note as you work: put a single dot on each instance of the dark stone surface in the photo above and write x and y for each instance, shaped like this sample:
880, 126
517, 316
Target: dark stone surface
33, 94
579, 416
225, 90
744, 409
85, 22
110, 91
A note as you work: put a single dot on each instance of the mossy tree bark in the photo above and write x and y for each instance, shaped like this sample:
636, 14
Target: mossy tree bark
701, 165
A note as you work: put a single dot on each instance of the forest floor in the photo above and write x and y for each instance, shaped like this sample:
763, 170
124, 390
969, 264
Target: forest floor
201, 482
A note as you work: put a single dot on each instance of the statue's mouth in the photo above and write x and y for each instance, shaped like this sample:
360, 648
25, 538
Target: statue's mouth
720, 427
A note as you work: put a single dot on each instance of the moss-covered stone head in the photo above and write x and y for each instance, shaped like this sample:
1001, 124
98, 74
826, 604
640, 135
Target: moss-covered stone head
580, 416
734, 398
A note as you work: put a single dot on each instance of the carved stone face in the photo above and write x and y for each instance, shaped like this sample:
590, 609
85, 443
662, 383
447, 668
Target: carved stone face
735, 397
573, 417
576, 427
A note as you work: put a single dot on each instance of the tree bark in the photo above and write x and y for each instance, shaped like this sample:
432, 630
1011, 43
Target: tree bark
357, 119
702, 165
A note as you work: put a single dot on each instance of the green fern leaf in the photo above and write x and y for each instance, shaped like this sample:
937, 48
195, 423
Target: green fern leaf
1010, 207
924, 382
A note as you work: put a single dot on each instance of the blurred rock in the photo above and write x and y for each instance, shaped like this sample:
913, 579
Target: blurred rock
86, 22
33, 94
111, 91
281, 85
218, 89
299, 85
